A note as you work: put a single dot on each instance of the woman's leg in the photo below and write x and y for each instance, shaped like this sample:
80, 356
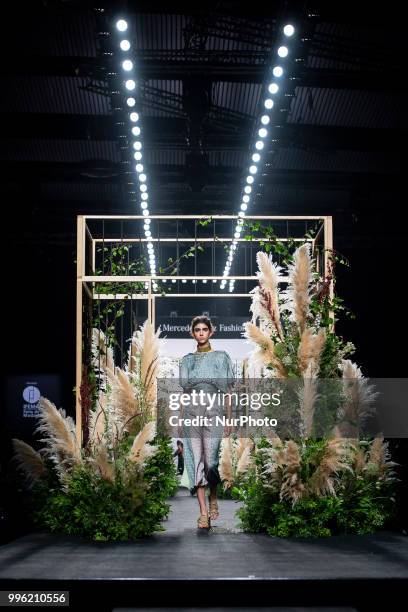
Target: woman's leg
201, 500
213, 498
213, 452
195, 463
189, 459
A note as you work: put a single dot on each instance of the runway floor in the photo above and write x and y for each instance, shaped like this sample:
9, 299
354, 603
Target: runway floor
342, 570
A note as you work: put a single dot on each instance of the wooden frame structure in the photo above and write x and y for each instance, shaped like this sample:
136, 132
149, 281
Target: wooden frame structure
88, 280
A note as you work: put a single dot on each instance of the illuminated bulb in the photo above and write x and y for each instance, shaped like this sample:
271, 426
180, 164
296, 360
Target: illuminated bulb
146, 212
259, 145
277, 71
134, 117
265, 119
262, 133
145, 196
139, 167
143, 187
273, 88
288, 30
137, 155
137, 145
250, 180
142, 178
143, 205
283, 51
244, 206
253, 169
245, 199
136, 130
268, 103
248, 188
255, 158
121, 25
130, 84
130, 102
127, 65
124, 45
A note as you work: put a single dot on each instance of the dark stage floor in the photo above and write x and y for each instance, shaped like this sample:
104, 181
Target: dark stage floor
342, 570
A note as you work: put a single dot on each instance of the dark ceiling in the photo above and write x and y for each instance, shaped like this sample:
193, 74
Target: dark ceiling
202, 70
340, 131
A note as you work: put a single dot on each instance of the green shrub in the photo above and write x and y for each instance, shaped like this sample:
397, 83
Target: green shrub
364, 501
134, 505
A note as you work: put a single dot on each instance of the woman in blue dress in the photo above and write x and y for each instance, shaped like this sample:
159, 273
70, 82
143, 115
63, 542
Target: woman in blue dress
210, 371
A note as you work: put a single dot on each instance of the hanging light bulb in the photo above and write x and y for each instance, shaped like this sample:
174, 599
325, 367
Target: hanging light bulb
288, 30
121, 25
130, 84
124, 45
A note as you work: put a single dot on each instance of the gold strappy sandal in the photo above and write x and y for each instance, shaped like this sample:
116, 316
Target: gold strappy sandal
214, 511
203, 521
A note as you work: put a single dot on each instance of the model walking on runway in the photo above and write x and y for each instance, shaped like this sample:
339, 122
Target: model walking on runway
211, 371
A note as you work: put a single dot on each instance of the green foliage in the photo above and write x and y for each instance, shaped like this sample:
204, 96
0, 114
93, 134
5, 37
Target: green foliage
287, 350
131, 507
223, 493
115, 261
264, 512
363, 502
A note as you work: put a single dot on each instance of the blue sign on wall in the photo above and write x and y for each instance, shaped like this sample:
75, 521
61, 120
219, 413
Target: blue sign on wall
22, 396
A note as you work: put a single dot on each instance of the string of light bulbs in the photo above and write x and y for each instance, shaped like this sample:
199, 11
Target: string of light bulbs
127, 71
263, 132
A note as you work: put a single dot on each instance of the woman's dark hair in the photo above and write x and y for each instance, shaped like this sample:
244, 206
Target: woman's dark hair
202, 319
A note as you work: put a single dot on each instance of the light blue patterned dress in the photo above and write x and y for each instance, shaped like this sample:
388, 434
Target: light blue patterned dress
211, 372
